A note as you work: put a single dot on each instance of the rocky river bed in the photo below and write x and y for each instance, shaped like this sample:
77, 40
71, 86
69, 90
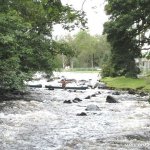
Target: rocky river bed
68, 120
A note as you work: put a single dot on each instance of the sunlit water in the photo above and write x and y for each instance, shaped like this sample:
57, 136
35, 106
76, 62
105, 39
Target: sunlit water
46, 123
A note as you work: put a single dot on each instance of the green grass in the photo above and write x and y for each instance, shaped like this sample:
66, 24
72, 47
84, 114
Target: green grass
128, 83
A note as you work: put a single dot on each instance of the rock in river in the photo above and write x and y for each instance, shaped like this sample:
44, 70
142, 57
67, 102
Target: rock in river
76, 100
88, 97
68, 101
82, 114
111, 99
92, 107
131, 91
143, 94
93, 95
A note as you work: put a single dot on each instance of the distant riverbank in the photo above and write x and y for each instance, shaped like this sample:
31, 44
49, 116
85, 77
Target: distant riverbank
142, 84
81, 70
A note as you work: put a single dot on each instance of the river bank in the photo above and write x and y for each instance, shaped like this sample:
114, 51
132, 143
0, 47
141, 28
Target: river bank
123, 83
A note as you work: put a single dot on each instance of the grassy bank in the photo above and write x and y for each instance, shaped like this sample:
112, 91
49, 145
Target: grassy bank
128, 83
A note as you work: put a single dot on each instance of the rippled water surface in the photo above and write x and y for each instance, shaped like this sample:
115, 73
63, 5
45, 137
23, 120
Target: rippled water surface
47, 123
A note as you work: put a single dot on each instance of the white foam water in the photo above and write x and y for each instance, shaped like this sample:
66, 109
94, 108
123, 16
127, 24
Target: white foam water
47, 123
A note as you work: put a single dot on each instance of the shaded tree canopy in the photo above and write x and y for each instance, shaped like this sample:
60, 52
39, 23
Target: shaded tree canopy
127, 31
26, 43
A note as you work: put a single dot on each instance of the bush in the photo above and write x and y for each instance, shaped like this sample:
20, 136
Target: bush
107, 70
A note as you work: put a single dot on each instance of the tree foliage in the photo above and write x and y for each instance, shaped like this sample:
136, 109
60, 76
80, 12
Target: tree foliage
127, 31
26, 43
89, 51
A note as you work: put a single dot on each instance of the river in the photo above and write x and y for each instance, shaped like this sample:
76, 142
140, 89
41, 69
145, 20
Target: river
47, 123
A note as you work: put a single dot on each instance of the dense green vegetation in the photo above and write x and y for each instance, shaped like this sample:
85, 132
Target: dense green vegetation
127, 31
26, 43
127, 83
89, 51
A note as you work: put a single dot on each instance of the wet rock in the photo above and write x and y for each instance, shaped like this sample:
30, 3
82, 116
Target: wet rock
116, 93
148, 100
82, 114
75, 101
90, 86
67, 101
143, 94
92, 107
88, 97
78, 99
93, 95
131, 91
111, 99
96, 85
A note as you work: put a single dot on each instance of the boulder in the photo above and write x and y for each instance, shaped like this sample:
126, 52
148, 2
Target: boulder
111, 99
75, 101
68, 101
131, 91
143, 94
96, 85
90, 86
92, 107
88, 97
93, 95
82, 114
78, 99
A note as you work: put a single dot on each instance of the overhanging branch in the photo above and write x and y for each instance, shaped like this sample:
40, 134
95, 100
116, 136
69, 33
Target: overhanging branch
83, 4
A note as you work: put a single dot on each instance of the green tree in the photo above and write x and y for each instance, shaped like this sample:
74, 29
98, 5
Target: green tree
89, 51
126, 31
26, 43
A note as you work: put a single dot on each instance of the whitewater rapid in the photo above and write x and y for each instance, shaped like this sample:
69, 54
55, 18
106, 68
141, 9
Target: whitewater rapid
47, 123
